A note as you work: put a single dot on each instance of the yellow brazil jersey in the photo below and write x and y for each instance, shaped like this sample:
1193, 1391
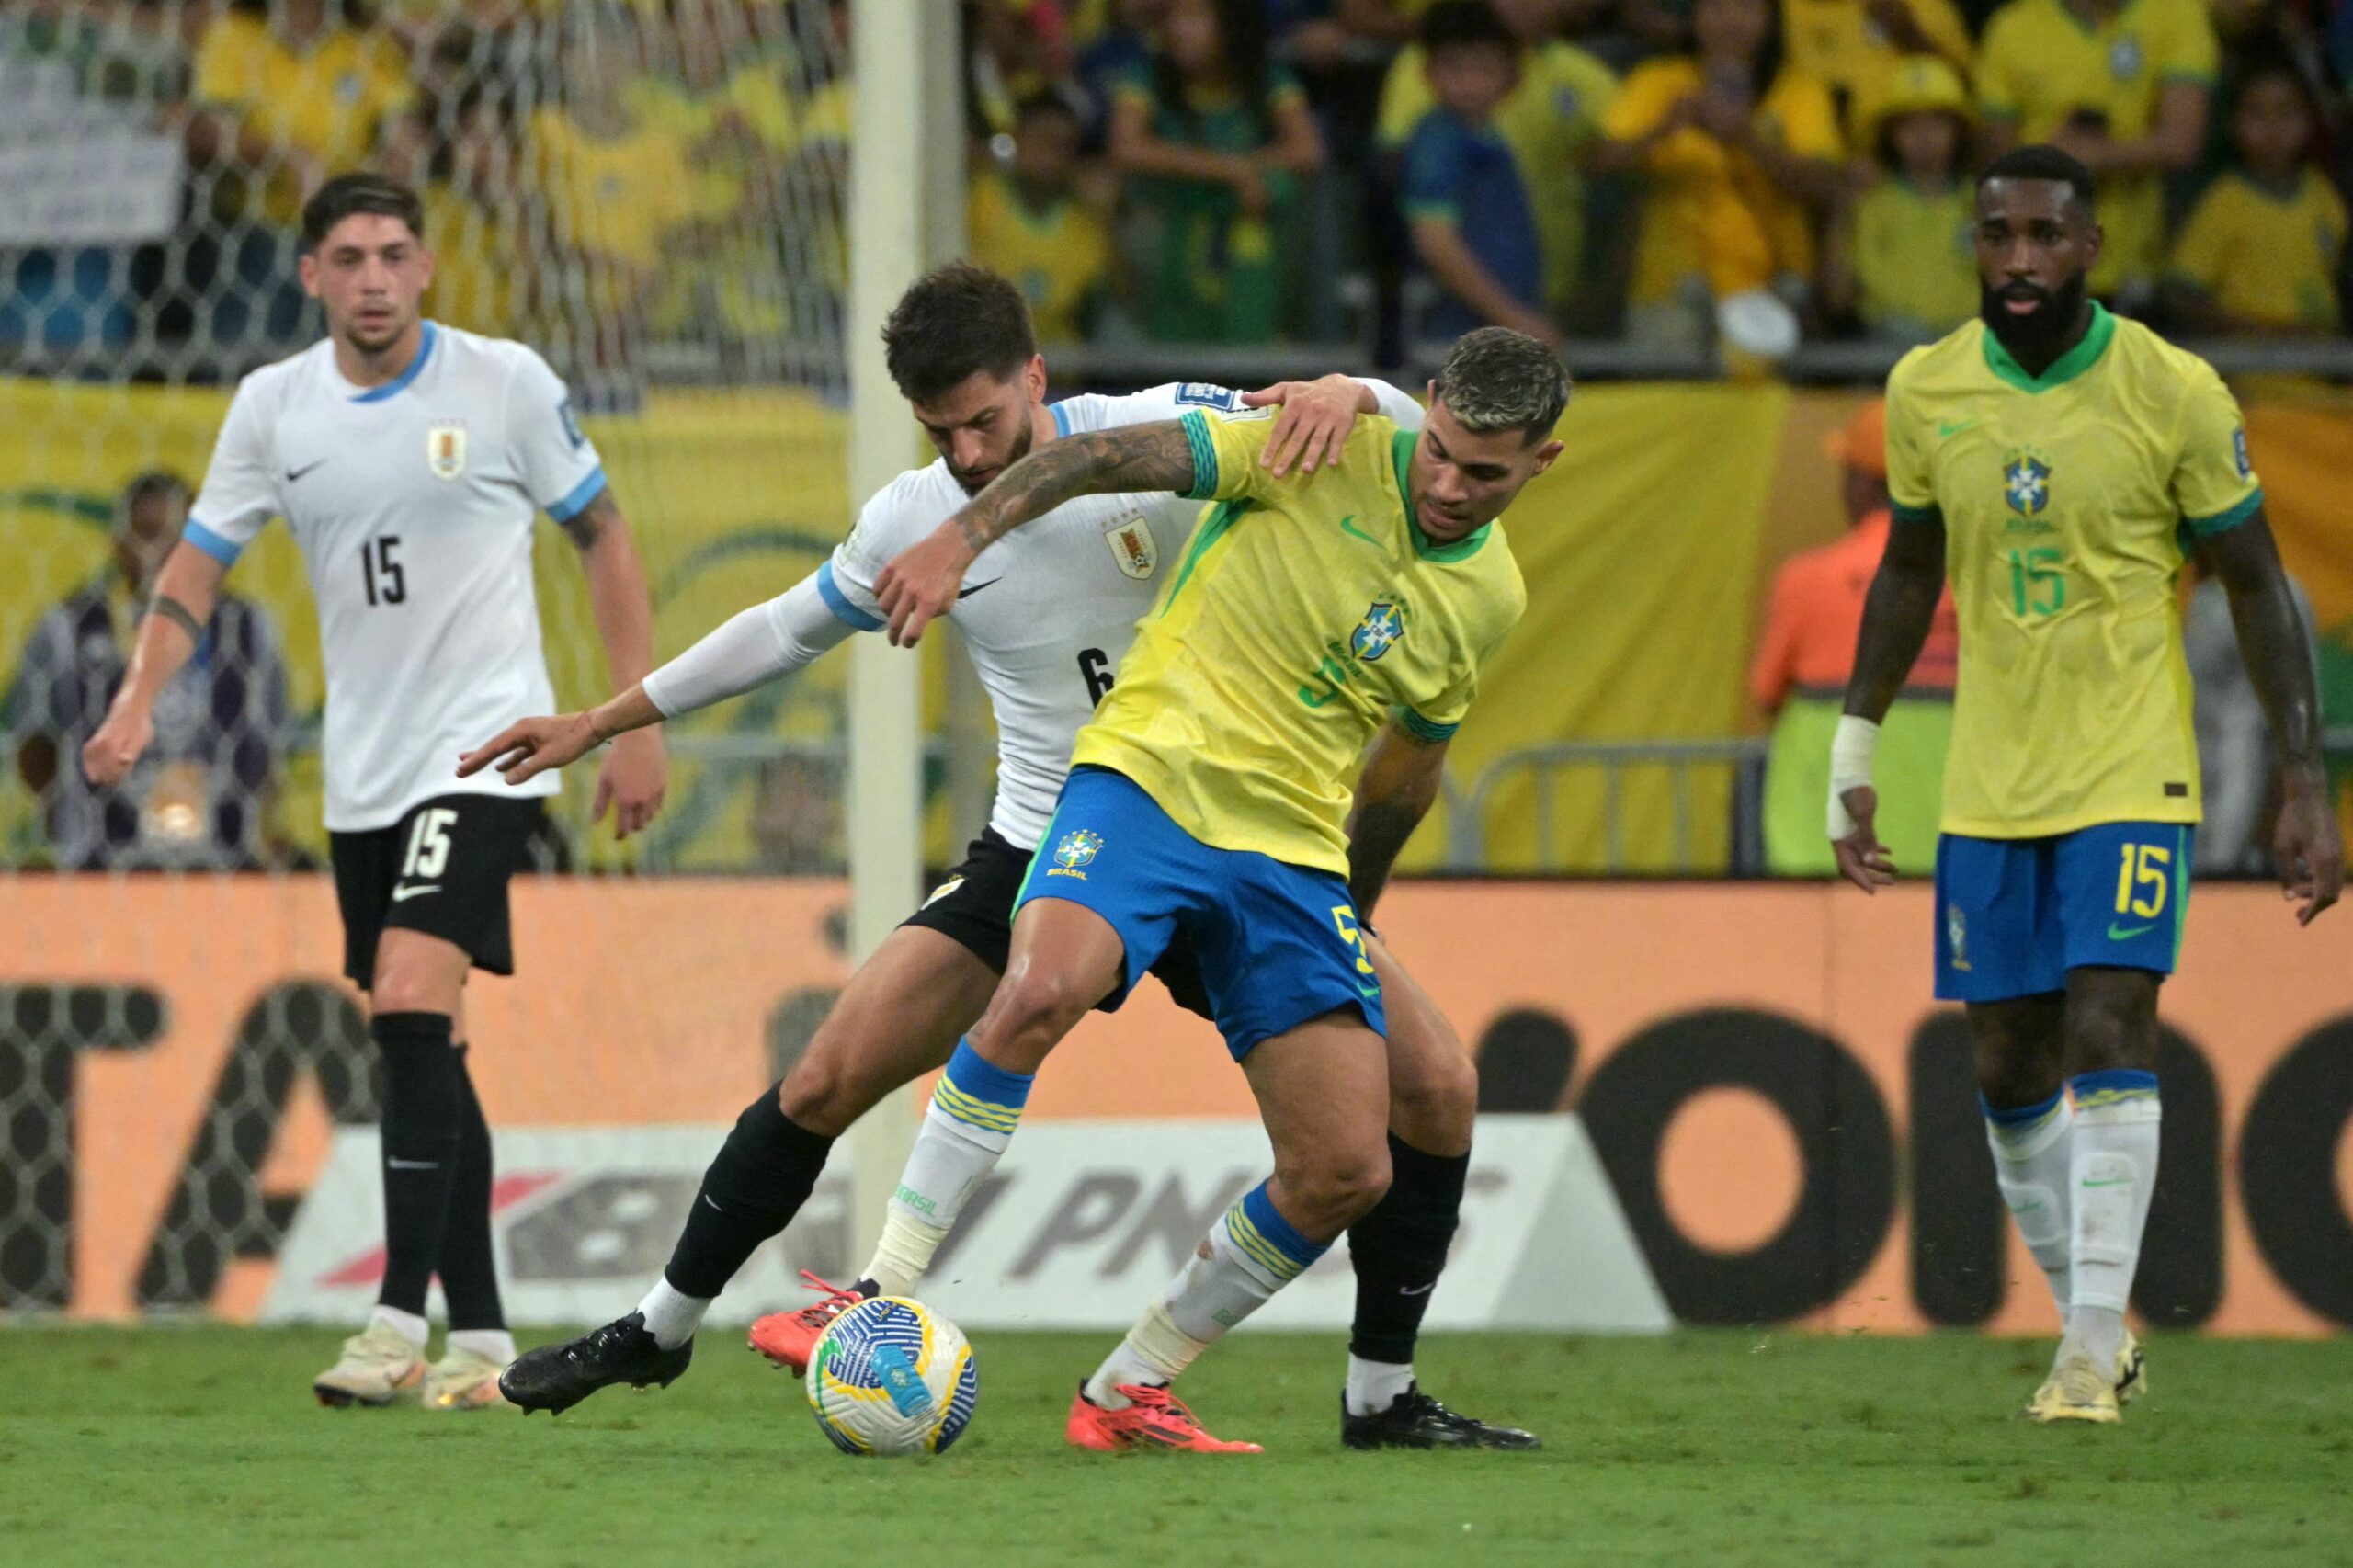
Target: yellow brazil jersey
1914, 259
616, 195
1060, 257
2067, 500
2267, 255
1306, 609
2041, 64
1841, 44
1550, 121
325, 102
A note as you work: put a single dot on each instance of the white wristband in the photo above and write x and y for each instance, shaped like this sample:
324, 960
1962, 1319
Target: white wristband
1852, 746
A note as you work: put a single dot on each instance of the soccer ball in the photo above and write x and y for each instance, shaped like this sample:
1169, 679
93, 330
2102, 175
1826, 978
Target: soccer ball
891, 1377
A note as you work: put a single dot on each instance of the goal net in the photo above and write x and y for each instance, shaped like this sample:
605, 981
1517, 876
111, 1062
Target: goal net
653, 195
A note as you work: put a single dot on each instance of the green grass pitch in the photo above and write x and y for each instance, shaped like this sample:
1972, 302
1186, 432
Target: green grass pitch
201, 1446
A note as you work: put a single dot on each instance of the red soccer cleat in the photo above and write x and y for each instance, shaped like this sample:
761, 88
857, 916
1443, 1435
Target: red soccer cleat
790, 1339
1157, 1419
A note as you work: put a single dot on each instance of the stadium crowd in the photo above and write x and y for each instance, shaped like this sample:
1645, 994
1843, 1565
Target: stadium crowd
1233, 171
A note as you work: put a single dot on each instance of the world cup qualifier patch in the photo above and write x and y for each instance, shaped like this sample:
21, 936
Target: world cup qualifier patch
1075, 852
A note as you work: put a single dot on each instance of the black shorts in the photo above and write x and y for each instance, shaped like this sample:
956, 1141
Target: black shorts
442, 869
975, 906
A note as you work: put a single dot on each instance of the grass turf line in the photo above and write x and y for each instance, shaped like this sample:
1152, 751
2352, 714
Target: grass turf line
201, 1445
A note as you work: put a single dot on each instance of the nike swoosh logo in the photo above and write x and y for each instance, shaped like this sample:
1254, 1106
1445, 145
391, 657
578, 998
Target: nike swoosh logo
714, 1208
1948, 428
294, 473
399, 1165
968, 593
1348, 526
400, 896
2114, 935
1417, 1290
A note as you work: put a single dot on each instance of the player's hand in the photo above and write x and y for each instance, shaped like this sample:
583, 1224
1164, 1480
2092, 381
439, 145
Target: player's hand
1314, 422
1862, 858
108, 757
636, 777
920, 584
2308, 847
528, 747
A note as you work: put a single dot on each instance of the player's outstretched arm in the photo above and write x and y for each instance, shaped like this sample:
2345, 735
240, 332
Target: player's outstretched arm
920, 584
186, 590
1395, 790
1897, 615
2277, 647
636, 773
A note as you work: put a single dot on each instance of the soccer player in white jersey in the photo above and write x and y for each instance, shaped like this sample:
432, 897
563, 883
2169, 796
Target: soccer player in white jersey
409, 462
1046, 625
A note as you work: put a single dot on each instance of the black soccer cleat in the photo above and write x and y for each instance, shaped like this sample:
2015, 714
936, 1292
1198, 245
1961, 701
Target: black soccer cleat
554, 1378
1417, 1421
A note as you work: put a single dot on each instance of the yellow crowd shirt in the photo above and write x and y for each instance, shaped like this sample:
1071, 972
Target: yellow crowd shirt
1550, 121
1839, 44
1306, 610
478, 264
2041, 64
1709, 211
2267, 255
2067, 501
325, 101
1916, 261
616, 195
1059, 258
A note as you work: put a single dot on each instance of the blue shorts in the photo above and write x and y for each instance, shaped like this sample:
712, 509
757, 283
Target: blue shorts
2014, 914
1277, 943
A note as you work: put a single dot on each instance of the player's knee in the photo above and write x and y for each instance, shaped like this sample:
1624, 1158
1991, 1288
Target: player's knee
1339, 1185
823, 1093
1032, 1010
408, 988
2105, 1032
1433, 1099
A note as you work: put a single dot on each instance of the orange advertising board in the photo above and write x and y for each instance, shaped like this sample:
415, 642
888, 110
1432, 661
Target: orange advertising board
1785, 1115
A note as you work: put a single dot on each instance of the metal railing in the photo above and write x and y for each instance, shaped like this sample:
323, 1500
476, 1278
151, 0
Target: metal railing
1543, 766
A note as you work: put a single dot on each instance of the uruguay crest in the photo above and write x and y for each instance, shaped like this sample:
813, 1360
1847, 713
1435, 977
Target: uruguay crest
445, 448
1133, 547
1078, 850
1378, 633
2026, 483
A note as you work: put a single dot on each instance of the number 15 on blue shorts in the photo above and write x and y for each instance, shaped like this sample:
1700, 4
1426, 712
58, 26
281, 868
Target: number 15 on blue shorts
2014, 914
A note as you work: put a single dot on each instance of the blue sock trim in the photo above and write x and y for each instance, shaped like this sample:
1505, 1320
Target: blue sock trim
2018, 1116
1259, 1210
977, 1077
2113, 1081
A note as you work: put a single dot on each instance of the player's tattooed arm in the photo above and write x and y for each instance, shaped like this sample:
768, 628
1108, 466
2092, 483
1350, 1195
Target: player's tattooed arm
1395, 790
1095, 463
2277, 647
1897, 615
920, 584
591, 523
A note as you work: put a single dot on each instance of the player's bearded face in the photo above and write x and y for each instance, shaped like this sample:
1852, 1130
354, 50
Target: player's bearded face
370, 274
1462, 480
982, 426
2035, 250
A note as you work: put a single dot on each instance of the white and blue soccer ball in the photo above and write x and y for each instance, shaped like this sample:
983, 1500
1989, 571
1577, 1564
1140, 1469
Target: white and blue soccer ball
891, 1377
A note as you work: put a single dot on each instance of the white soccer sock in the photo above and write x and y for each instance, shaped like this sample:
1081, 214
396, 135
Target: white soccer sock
410, 1326
974, 1108
1374, 1386
1252, 1252
671, 1315
2115, 1172
2032, 1148
495, 1343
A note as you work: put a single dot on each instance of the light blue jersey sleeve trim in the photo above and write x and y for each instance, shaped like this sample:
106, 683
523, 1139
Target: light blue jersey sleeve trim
573, 504
2204, 528
1429, 731
1061, 418
221, 549
1204, 449
838, 602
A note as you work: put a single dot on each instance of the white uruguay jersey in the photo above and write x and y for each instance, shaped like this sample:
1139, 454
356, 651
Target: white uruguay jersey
1047, 611
412, 502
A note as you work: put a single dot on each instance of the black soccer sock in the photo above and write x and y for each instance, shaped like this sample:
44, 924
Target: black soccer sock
1399, 1250
468, 1261
758, 1182
420, 1149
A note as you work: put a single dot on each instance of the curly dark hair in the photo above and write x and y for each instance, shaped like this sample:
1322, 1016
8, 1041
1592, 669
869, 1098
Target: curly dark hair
953, 321
1495, 379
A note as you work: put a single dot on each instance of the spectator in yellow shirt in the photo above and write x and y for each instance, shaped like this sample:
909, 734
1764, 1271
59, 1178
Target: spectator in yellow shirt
2123, 86
1550, 121
1738, 151
2261, 249
1853, 47
1030, 224
1902, 256
461, 163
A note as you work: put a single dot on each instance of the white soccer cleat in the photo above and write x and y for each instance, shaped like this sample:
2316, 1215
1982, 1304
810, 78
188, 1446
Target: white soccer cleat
464, 1379
379, 1367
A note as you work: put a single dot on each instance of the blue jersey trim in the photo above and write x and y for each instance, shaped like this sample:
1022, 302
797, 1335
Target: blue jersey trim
1429, 731
576, 502
223, 551
2224, 522
415, 367
1061, 418
838, 602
